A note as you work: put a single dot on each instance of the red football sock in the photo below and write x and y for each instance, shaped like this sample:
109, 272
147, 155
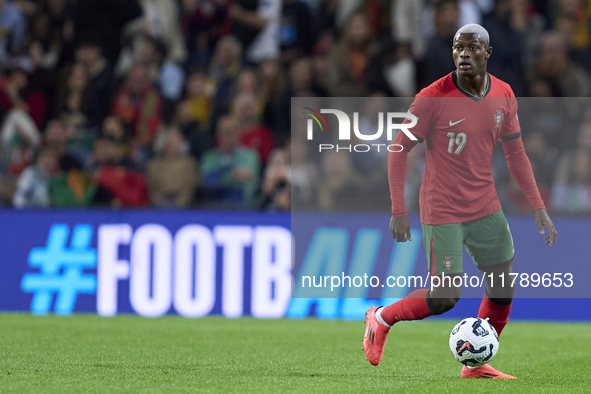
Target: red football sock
412, 307
498, 315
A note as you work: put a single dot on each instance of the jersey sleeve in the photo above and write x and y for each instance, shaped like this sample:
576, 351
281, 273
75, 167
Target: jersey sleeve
422, 108
511, 129
521, 169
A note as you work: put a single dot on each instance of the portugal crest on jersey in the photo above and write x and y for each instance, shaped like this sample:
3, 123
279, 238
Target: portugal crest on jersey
448, 263
498, 117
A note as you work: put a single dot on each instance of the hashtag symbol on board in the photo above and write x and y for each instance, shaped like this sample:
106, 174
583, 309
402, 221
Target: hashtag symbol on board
61, 270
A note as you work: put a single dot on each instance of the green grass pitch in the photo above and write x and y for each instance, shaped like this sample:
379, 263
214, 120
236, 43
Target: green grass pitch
85, 353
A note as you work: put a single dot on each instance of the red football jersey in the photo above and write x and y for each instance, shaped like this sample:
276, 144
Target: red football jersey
460, 132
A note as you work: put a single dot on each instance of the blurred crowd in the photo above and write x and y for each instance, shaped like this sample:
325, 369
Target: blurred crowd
186, 103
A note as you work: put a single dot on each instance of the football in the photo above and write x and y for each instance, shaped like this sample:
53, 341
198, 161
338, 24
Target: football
473, 341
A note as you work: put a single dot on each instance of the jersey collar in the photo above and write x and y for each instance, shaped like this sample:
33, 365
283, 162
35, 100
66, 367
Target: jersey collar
469, 95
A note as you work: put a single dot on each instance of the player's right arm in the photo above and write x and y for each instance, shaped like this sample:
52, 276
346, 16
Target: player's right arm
397, 165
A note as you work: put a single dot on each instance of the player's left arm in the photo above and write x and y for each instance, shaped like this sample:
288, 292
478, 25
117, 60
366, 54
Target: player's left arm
520, 167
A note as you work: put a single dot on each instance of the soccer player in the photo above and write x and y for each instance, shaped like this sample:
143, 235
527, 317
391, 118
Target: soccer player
460, 117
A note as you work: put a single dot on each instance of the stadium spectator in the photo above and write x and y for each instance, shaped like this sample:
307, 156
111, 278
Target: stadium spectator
33, 184
321, 60
528, 13
58, 14
17, 92
349, 60
159, 20
406, 23
46, 37
40, 30
166, 74
584, 133
202, 21
542, 157
393, 71
20, 137
302, 81
276, 191
440, 63
43, 64
369, 123
541, 88
277, 98
303, 176
569, 79
340, 185
573, 23
547, 115
295, 32
126, 187
266, 44
100, 77
7, 190
223, 69
582, 141
71, 189
573, 193
102, 21
229, 172
253, 134
106, 153
247, 84
325, 18
172, 175
55, 138
12, 29
472, 11
199, 102
199, 138
73, 98
113, 129
276, 114
139, 106
506, 26
245, 22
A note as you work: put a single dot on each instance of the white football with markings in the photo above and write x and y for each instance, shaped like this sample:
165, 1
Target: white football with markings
473, 341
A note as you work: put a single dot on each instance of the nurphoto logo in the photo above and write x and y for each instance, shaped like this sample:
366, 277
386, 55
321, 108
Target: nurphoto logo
344, 131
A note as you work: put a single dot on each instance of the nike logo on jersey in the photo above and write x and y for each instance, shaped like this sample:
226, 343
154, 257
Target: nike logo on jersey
455, 123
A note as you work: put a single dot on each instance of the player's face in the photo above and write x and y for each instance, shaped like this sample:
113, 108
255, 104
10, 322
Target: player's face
470, 54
